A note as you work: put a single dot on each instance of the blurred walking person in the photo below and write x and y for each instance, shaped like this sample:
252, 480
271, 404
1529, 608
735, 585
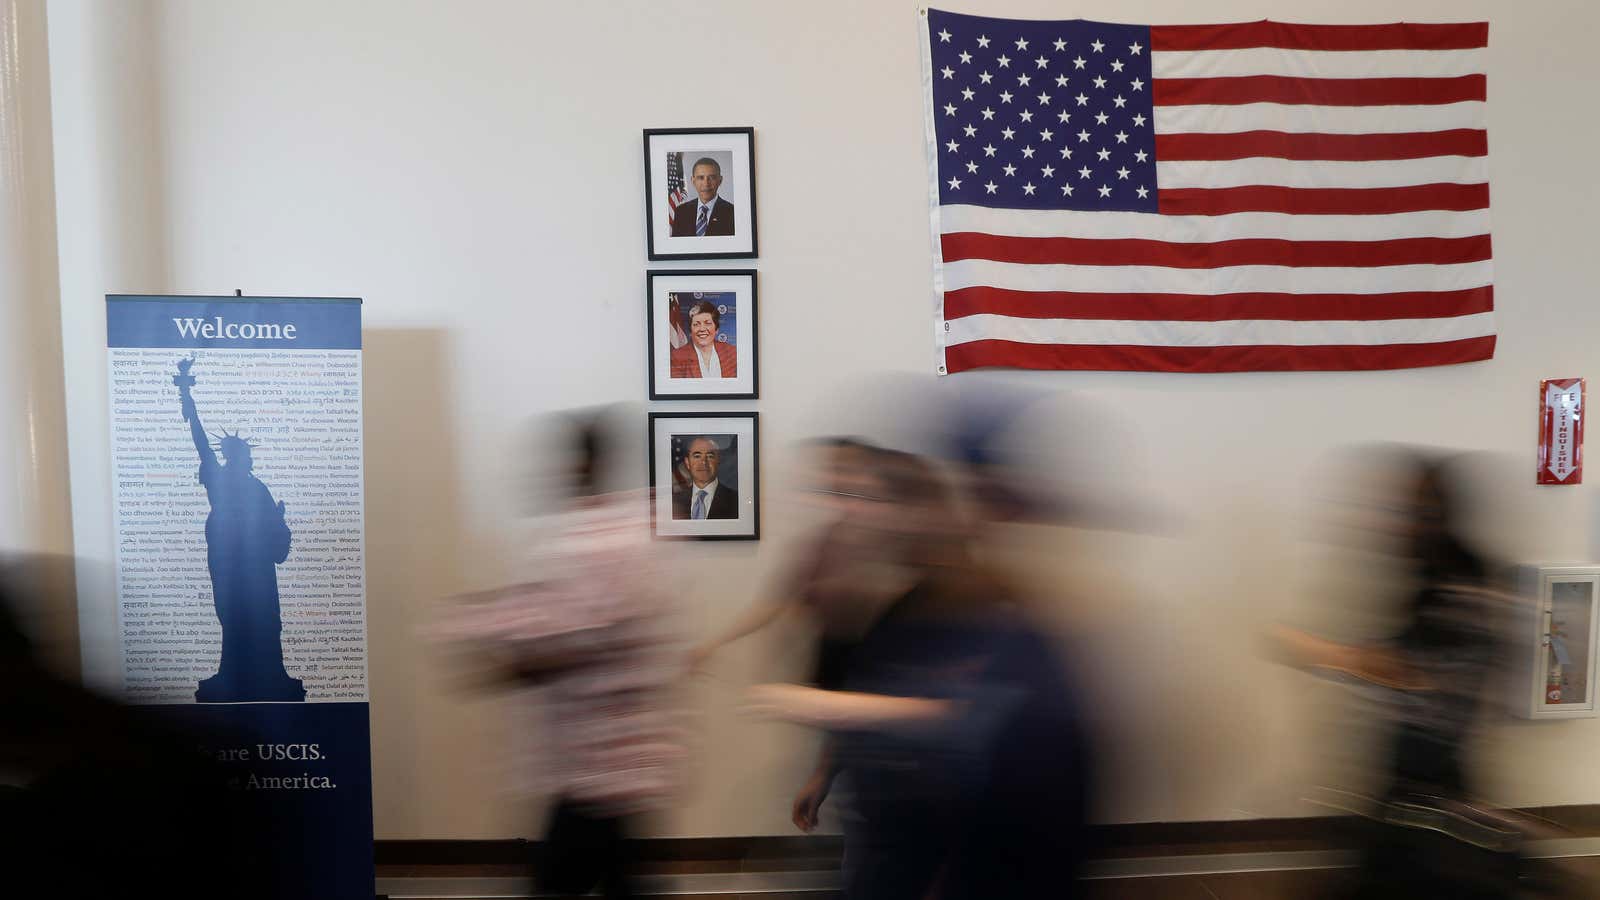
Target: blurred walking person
1426, 835
597, 631
953, 722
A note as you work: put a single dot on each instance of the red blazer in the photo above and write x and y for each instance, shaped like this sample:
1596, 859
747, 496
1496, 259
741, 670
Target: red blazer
686, 363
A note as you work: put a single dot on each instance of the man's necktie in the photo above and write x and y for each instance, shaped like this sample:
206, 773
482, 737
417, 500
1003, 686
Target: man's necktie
700, 223
699, 511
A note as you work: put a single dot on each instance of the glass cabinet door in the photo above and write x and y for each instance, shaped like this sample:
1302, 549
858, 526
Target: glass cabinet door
1569, 622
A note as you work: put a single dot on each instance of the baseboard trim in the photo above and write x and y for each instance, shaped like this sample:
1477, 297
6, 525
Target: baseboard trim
1230, 838
518, 851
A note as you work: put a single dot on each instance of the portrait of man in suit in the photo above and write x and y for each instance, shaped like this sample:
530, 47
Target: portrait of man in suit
701, 495
706, 214
703, 356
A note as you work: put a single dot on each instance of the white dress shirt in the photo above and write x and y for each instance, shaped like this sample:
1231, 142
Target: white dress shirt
710, 363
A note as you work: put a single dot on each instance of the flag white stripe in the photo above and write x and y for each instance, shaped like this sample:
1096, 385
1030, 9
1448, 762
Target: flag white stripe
1296, 173
967, 273
1233, 332
1318, 63
1224, 119
957, 218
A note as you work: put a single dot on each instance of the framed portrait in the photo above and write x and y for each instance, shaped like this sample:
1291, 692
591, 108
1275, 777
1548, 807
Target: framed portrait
702, 334
703, 469
700, 193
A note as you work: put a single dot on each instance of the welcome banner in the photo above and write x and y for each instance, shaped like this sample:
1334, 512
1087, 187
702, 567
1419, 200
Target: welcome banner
241, 582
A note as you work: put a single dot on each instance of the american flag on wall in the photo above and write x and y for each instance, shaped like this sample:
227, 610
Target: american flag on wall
1208, 198
675, 191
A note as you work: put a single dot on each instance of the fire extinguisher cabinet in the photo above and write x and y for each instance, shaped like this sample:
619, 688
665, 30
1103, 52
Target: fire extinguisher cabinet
1557, 665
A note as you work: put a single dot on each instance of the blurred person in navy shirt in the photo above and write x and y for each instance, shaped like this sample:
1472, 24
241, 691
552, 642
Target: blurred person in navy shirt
954, 721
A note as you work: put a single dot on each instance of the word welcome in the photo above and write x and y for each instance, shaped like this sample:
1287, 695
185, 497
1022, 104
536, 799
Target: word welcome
214, 328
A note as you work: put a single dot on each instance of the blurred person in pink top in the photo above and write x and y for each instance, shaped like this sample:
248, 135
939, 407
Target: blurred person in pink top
599, 635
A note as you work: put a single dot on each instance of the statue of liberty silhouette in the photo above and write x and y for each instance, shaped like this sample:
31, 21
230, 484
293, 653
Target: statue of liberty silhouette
246, 539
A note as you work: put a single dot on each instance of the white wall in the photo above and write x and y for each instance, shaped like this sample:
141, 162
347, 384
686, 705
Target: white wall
473, 171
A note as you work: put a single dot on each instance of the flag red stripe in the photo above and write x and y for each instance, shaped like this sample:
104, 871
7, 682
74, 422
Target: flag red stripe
980, 354
1213, 308
1323, 201
1343, 147
1287, 36
1242, 252
1317, 91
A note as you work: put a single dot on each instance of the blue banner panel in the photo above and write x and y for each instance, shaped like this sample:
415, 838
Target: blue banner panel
236, 446
303, 773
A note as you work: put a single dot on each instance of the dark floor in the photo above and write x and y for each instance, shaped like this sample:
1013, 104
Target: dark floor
1579, 880
1575, 878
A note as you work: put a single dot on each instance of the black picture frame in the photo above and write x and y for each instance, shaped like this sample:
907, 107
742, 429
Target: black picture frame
665, 506
738, 145
660, 287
